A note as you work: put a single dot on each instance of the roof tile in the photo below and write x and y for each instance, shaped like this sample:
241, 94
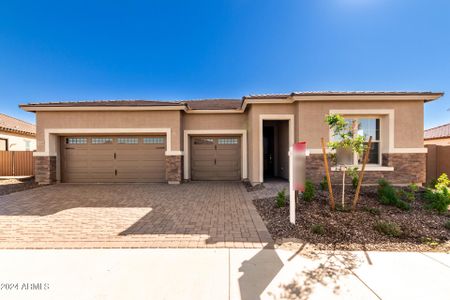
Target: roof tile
8, 123
438, 132
214, 104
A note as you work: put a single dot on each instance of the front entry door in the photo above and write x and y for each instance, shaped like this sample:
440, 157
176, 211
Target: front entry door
269, 151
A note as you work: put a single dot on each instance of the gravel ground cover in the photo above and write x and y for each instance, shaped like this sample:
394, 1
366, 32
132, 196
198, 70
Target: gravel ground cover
418, 229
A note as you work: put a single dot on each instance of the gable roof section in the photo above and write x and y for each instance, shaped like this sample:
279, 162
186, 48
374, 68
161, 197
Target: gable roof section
91, 103
214, 104
11, 124
433, 95
438, 132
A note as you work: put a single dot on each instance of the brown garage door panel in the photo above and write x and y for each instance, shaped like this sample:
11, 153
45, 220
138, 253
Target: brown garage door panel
211, 159
114, 162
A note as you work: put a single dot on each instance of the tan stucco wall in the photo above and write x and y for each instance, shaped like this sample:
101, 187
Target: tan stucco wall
408, 120
109, 119
442, 142
214, 121
310, 125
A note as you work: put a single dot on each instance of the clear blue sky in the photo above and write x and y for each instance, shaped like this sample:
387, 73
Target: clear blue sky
72, 50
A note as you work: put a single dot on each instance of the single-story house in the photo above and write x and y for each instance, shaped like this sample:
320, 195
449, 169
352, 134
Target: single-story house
220, 139
439, 135
16, 135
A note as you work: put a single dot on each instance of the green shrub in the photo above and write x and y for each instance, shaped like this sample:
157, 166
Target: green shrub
442, 182
318, 229
309, 192
387, 195
403, 205
447, 225
373, 210
324, 183
413, 187
353, 173
438, 200
281, 198
389, 229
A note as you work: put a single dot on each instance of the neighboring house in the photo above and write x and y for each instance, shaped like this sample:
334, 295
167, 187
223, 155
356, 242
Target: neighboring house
437, 141
439, 135
156, 141
16, 135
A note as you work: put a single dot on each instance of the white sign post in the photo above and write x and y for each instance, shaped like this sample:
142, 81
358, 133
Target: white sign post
291, 186
297, 162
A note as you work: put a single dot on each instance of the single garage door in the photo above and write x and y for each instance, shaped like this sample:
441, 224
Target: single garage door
113, 159
216, 158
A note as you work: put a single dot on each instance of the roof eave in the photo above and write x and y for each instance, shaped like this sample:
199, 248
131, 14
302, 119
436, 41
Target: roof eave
17, 131
36, 108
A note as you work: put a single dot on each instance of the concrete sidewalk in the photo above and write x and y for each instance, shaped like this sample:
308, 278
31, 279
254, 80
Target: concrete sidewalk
221, 274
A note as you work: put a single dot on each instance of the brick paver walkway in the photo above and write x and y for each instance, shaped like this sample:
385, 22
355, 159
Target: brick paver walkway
196, 214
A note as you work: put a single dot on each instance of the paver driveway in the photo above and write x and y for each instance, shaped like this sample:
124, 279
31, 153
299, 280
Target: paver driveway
196, 214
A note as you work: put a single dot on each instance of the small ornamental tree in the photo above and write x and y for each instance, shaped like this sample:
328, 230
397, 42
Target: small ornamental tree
345, 134
346, 143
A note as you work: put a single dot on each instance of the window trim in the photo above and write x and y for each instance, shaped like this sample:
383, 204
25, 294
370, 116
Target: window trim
356, 118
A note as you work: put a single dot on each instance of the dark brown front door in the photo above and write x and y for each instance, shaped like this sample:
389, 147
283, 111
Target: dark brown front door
269, 151
216, 158
113, 159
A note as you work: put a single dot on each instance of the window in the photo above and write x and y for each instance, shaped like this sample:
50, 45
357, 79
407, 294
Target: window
128, 140
102, 140
27, 145
367, 127
203, 141
153, 140
227, 141
76, 140
3, 145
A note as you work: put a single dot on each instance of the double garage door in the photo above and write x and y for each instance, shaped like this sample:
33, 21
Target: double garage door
102, 159
99, 159
216, 158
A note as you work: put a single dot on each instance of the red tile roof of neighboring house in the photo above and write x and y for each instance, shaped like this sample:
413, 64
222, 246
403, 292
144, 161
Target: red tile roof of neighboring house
8, 123
438, 132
